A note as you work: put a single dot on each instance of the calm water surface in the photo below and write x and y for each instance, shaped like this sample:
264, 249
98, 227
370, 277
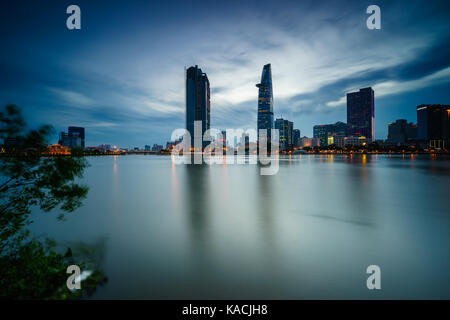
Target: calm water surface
162, 230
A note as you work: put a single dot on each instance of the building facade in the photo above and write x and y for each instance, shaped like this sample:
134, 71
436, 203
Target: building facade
198, 104
77, 132
285, 128
296, 138
74, 138
356, 141
401, 132
324, 131
361, 113
309, 142
265, 101
433, 123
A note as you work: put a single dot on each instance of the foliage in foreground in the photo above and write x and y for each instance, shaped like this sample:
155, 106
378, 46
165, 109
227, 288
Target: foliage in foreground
29, 268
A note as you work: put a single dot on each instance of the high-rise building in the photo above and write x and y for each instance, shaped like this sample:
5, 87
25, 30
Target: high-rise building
433, 122
72, 139
285, 128
323, 131
361, 113
224, 138
401, 131
244, 143
265, 101
296, 137
198, 105
75, 132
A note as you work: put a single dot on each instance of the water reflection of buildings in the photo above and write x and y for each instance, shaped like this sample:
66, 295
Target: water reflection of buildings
265, 202
197, 208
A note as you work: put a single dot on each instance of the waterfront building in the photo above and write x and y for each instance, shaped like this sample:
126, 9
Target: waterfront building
285, 128
105, 147
198, 104
170, 145
309, 142
356, 141
265, 101
75, 137
296, 138
75, 133
401, 132
361, 113
157, 147
224, 138
433, 124
323, 131
338, 141
57, 149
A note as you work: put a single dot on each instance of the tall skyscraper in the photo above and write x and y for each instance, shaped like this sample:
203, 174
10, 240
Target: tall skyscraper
361, 113
198, 105
433, 122
265, 101
75, 132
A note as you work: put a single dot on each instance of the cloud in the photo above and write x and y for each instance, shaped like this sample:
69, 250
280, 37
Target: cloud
130, 72
72, 98
337, 103
395, 87
392, 87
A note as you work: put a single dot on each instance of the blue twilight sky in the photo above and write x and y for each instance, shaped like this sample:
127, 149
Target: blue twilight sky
122, 75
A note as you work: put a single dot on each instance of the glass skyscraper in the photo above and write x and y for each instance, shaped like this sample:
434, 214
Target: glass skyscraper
265, 101
198, 105
361, 114
285, 128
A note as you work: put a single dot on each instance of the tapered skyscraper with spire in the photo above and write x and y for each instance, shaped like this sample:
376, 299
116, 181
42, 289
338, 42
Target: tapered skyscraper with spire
265, 101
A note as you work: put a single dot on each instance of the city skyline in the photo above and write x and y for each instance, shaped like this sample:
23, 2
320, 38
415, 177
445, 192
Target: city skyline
126, 88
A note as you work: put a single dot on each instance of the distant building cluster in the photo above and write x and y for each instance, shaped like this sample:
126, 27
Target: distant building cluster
432, 128
431, 131
74, 138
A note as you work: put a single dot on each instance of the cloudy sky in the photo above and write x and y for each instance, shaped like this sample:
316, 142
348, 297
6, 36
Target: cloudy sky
122, 75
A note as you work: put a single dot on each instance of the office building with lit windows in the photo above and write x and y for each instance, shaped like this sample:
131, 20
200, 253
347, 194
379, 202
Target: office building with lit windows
324, 131
361, 113
285, 131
